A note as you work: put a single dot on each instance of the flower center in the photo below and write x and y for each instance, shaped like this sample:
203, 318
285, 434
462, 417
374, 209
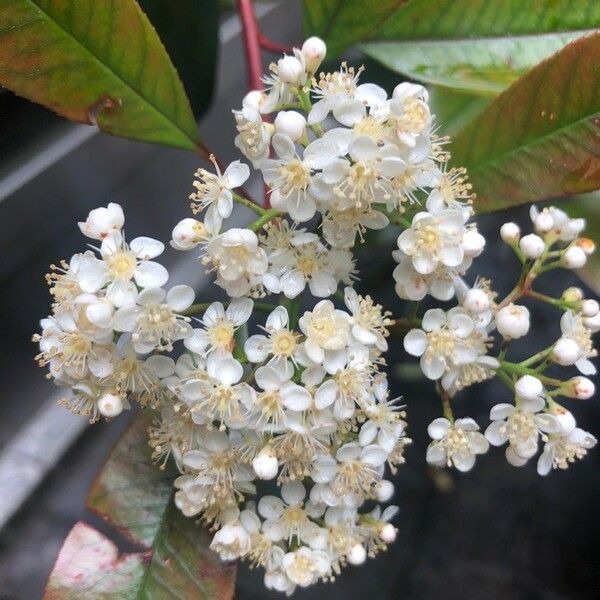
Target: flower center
221, 335
295, 174
121, 264
414, 117
284, 342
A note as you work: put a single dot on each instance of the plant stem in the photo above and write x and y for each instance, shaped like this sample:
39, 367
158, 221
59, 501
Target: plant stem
248, 204
271, 46
541, 355
267, 216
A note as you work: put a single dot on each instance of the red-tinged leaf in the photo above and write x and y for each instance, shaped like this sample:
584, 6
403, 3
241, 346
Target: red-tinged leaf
89, 567
97, 62
541, 137
174, 561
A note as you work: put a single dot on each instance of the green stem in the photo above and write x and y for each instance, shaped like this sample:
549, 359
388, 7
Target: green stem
248, 204
517, 369
562, 304
505, 379
268, 215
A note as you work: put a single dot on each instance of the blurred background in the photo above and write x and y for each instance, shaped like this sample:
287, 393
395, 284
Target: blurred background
498, 532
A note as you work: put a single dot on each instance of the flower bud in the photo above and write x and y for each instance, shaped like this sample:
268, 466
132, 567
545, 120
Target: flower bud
473, 243
532, 245
110, 405
512, 321
476, 301
254, 99
592, 323
510, 233
384, 490
566, 352
187, 234
543, 222
290, 70
290, 123
589, 308
529, 387
357, 555
587, 245
574, 258
578, 387
314, 50
564, 417
572, 294
388, 533
265, 464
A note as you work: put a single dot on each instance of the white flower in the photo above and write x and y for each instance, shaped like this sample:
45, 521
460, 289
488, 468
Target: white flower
103, 221
231, 541
575, 345
563, 227
434, 239
254, 136
512, 321
326, 329
215, 190
154, 321
280, 342
219, 326
412, 285
290, 123
305, 566
314, 50
110, 405
520, 426
444, 342
368, 320
574, 258
410, 112
529, 387
239, 261
562, 450
290, 176
279, 390
265, 464
188, 233
510, 233
455, 444
220, 396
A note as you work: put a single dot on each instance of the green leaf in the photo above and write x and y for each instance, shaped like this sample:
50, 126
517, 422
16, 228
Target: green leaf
189, 29
541, 137
341, 23
476, 45
97, 62
174, 560
452, 110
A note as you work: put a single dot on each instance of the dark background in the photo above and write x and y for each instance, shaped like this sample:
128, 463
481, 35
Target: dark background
497, 532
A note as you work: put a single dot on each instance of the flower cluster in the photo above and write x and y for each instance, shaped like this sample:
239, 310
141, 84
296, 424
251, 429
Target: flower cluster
454, 347
109, 312
303, 401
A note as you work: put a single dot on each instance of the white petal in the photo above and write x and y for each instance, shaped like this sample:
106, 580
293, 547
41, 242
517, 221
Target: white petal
150, 274
270, 507
236, 174
293, 492
438, 428
326, 394
415, 342
295, 397
180, 297
146, 248
433, 319
229, 371
239, 310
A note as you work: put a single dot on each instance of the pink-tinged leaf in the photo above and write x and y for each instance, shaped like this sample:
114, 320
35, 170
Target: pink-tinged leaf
89, 567
541, 137
97, 62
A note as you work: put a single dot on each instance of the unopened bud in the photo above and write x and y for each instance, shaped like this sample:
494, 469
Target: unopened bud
254, 99
187, 234
388, 533
587, 245
512, 321
290, 70
476, 301
543, 222
532, 245
529, 387
589, 308
578, 387
265, 464
473, 243
384, 490
592, 323
290, 123
510, 233
110, 405
572, 294
566, 352
314, 50
574, 258
357, 555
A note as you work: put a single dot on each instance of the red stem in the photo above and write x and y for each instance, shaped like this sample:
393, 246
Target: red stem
274, 47
252, 43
